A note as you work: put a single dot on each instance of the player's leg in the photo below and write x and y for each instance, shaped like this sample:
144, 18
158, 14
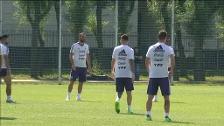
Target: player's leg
165, 90
78, 98
119, 90
8, 81
149, 107
70, 88
155, 98
73, 77
152, 90
129, 101
129, 88
82, 78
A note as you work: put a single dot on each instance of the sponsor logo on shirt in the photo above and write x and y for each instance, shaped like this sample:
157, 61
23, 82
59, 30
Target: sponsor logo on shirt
159, 49
122, 53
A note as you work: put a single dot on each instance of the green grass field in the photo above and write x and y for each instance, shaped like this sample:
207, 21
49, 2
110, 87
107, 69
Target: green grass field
44, 105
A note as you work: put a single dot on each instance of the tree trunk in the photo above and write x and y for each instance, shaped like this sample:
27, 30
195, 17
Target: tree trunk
99, 25
166, 17
147, 27
199, 73
34, 52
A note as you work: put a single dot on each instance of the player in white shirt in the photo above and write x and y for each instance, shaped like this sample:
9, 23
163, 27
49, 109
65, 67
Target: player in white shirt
79, 56
122, 69
5, 70
157, 62
155, 99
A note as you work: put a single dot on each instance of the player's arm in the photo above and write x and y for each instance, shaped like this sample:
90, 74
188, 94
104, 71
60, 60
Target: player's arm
147, 63
113, 66
71, 58
172, 58
132, 65
6, 58
147, 59
88, 62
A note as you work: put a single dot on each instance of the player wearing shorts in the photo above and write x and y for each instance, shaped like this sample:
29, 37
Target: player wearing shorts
157, 61
155, 98
79, 56
122, 69
5, 70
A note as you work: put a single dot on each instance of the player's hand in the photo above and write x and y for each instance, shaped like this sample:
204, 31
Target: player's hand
9, 72
112, 75
133, 77
171, 72
73, 67
89, 70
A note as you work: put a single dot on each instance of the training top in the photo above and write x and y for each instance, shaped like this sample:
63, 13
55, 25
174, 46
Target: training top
159, 55
122, 54
4, 50
79, 54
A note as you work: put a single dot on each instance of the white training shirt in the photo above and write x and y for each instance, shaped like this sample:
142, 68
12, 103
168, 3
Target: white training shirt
4, 50
159, 55
79, 54
122, 54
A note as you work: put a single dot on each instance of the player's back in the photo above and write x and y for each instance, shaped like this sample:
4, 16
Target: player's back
159, 55
122, 54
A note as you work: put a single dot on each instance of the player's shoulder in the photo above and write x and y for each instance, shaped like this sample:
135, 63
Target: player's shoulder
86, 45
153, 46
74, 44
168, 47
130, 49
117, 47
3, 46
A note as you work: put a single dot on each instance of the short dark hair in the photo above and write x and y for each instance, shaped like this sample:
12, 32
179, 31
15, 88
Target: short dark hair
124, 37
4, 36
162, 34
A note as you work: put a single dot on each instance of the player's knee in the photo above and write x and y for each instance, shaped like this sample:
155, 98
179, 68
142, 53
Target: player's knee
166, 99
150, 97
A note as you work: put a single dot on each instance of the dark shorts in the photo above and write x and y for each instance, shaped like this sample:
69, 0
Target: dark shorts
122, 83
3, 72
80, 73
155, 83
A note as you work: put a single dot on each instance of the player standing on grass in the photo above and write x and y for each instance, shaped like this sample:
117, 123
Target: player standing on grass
122, 68
5, 70
157, 61
155, 98
79, 56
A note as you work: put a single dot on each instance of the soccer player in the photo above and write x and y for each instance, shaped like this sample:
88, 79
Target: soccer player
122, 69
157, 61
5, 70
79, 56
155, 98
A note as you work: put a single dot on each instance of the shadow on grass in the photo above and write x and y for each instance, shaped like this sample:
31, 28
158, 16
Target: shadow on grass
134, 114
90, 101
181, 122
178, 122
177, 102
8, 118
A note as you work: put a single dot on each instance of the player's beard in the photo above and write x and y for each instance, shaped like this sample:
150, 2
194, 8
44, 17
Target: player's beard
82, 42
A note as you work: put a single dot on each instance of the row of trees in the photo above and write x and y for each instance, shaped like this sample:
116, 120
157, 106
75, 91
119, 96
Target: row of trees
196, 16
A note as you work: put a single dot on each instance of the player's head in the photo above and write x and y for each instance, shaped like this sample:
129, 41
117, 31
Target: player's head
162, 36
124, 39
4, 39
82, 37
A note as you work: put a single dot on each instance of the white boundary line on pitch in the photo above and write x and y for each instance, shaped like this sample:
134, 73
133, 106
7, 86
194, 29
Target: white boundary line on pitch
91, 81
